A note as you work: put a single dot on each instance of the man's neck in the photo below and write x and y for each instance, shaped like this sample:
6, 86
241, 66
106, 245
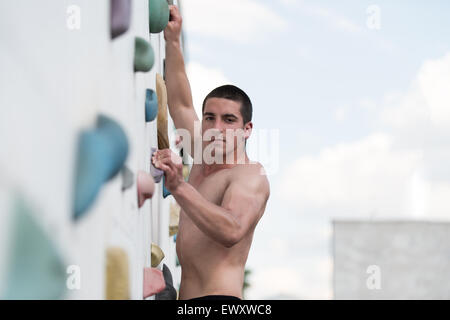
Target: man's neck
208, 169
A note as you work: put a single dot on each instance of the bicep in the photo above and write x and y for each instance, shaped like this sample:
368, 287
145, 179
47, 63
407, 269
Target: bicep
245, 203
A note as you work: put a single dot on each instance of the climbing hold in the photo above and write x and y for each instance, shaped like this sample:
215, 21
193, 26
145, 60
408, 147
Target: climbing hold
101, 154
157, 255
127, 178
186, 172
177, 262
161, 92
156, 173
153, 282
174, 218
169, 292
35, 269
120, 17
144, 57
145, 187
151, 105
166, 192
175, 238
159, 15
117, 282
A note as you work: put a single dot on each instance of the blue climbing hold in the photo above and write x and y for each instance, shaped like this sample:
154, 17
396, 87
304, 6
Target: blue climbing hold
101, 154
166, 192
151, 105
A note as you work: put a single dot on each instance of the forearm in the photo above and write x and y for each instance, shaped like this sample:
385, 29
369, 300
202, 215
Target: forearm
215, 221
178, 88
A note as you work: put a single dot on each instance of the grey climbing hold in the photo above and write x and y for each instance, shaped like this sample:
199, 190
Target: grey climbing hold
120, 17
127, 178
156, 173
169, 292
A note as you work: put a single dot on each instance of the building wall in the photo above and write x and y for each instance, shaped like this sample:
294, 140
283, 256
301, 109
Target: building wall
391, 260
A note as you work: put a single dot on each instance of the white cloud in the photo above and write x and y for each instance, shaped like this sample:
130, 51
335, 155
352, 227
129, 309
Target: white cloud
202, 80
290, 2
355, 178
272, 281
335, 19
236, 20
427, 103
300, 279
340, 113
439, 199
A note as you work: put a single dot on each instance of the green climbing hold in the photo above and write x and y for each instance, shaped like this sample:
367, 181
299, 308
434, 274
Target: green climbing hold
35, 269
158, 14
144, 57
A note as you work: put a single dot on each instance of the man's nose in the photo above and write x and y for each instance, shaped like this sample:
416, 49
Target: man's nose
219, 125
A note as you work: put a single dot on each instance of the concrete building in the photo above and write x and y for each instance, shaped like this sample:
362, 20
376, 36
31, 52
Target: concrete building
391, 260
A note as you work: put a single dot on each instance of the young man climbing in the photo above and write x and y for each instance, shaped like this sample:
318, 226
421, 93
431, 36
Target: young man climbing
225, 195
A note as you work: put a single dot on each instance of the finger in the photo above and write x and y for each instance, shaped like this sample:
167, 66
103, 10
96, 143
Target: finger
163, 154
172, 158
168, 162
164, 168
174, 14
167, 153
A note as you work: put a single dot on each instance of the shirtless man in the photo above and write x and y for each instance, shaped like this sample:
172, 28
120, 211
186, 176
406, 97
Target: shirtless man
222, 202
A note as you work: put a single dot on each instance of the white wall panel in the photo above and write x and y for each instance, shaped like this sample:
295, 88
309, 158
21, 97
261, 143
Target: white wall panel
54, 82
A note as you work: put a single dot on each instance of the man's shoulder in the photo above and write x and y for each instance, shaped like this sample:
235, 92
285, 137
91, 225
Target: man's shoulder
251, 175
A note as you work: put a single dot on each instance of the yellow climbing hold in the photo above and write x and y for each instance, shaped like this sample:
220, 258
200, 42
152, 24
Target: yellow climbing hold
117, 281
186, 172
157, 255
161, 93
174, 218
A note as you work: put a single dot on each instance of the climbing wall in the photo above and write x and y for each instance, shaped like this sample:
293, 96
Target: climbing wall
78, 120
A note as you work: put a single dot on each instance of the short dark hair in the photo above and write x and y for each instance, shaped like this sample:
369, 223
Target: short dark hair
231, 92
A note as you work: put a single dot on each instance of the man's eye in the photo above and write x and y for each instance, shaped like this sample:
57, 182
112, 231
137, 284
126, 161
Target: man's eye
230, 120
209, 118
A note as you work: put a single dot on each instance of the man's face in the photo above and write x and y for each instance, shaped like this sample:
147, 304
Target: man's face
222, 126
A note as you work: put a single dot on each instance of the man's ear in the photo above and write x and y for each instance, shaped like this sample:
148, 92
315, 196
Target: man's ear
248, 129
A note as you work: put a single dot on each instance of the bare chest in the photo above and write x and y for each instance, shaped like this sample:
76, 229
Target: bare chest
211, 187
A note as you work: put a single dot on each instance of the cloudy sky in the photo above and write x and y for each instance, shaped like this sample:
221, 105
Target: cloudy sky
359, 93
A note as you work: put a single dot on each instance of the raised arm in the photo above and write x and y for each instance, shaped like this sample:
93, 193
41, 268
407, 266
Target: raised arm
179, 95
